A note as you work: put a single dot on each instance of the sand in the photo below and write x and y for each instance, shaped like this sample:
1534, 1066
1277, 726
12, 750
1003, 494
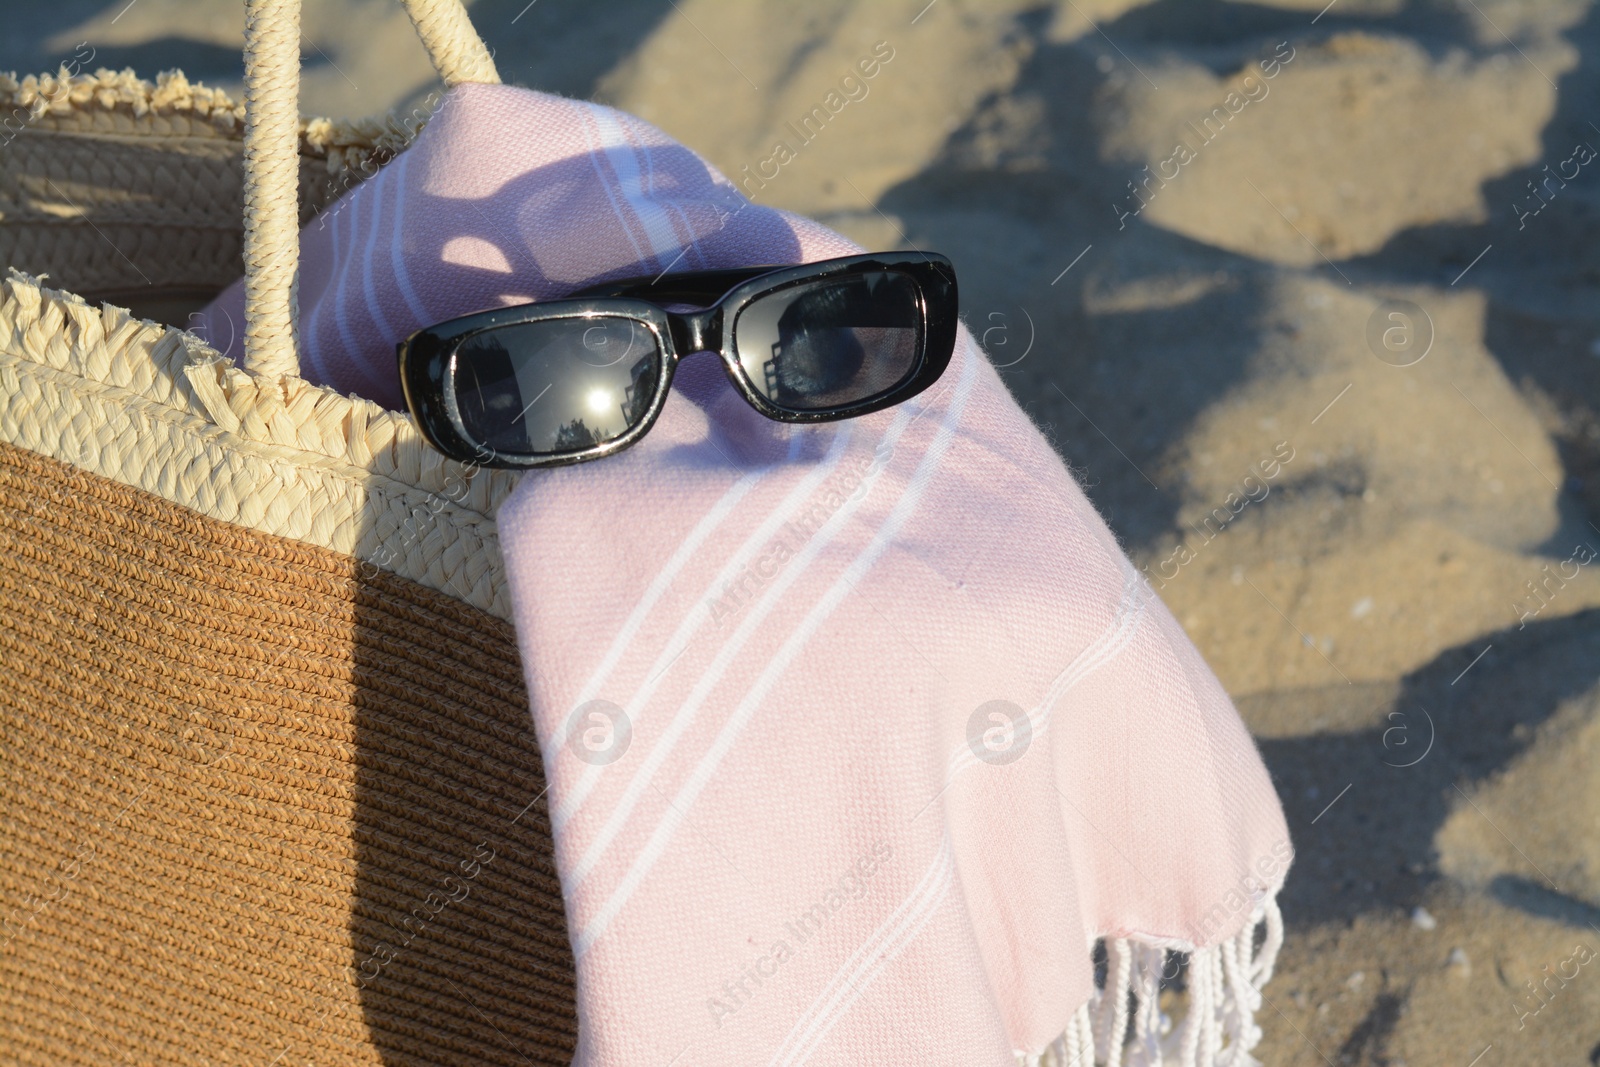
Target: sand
1433, 727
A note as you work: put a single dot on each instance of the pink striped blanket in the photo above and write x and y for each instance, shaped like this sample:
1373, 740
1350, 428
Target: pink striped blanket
859, 736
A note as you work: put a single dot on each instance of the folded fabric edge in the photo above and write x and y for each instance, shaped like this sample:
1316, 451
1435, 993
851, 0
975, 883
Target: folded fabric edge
1218, 1028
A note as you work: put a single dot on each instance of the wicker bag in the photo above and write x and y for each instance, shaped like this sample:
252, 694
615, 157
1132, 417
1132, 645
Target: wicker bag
269, 789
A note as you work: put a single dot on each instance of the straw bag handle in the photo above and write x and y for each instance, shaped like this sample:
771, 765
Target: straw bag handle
272, 158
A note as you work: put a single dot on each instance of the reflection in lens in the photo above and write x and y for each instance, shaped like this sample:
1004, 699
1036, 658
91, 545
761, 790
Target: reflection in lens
832, 342
557, 386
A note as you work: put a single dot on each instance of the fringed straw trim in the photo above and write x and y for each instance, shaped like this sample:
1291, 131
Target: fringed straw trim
122, 103
155, 407
1218, 1028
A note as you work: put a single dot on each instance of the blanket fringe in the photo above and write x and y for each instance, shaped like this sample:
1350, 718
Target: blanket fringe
1122, 1025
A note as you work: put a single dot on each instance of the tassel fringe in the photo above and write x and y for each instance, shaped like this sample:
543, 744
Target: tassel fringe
1122, 1025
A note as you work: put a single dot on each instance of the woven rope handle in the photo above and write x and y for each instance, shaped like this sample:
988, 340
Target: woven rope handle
272, 158
458, 53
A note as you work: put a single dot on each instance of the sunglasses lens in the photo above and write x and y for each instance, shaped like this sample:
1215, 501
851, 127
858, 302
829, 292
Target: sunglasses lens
555, 387
832, 342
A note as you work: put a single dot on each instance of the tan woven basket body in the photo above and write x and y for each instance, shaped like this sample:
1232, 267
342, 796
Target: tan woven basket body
269, 790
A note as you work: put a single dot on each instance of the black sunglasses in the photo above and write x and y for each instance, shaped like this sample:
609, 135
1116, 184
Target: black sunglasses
541, 385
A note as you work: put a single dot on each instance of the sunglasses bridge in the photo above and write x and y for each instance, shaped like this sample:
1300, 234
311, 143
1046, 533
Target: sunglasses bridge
696, 331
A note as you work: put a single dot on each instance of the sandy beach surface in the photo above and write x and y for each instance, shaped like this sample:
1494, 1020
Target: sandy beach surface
1198, 236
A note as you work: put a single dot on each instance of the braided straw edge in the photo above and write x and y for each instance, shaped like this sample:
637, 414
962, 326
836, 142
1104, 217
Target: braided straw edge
122, 103
155, 407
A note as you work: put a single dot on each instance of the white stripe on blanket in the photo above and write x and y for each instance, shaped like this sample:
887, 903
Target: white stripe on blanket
674, 812
689, 626
863, 966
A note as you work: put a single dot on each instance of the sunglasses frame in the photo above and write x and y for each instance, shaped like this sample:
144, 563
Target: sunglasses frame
427, 357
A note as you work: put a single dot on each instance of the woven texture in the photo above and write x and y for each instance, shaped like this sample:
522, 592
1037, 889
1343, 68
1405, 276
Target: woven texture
115, 185
254, 805
458, 53
271, 230
152, 407
270, 792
